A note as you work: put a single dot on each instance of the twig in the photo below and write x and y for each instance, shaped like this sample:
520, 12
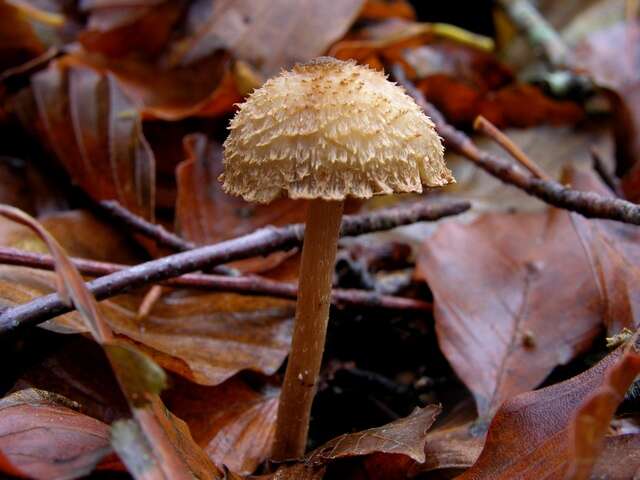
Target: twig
148, 229
539, 32
483, 125
260, 242
588, 204
254, 285
154, 231
564, 80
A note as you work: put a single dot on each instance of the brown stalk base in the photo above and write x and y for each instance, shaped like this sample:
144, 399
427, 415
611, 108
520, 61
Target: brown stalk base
312, 315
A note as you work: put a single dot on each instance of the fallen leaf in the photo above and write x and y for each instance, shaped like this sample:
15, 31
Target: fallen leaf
405, 436
271, 36
382, 9
232, 422
495, 303
206, 337
611, 56
145, 460
215, 335
393, 40
454, 442
26, 187
116, 29
398, 443
43, 437
95, 133
298, 471
591, 421
205, 214
163, 440
193, 333
158, 91
79, 371
533, 435
19, 41
619, 459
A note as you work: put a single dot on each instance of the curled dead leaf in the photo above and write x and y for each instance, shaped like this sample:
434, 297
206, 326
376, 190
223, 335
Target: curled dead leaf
43, 437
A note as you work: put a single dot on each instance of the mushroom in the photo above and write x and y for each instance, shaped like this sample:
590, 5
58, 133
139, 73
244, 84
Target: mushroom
325, 131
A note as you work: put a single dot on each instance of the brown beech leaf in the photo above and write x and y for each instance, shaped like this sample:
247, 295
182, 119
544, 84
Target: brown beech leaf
297, 471
592, 419
383, 9
271, 36
543, 434
614, 255
95, 133
453, 443
145, 456
26, 187
232, 422
19, 41
203, 88
405, 436
205, 214
505, 316
42, 436
206, 337
619, 459
612, 57
166, 447
212, 335
613, 250
398, 443
116, 29
79, 371
80, 233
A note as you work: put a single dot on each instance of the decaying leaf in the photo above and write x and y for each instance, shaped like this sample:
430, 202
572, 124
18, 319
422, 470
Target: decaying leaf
206, 337
43, 437
90, 383
204, 88
619, 459
402, 440
116, 29
232, 422
271, 35
612, 57
95, 133
212, 335
591, 421
544, 433
494, 302
150, 456
453, 443
405, 436
205, 214
163, 440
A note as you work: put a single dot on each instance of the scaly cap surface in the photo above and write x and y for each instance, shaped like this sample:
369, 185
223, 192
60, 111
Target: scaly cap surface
330, 129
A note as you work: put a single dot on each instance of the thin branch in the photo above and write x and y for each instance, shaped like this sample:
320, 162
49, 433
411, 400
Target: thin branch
483, 125
260, 242
588, 204
253, 284
148, 229
539, 32
154, 231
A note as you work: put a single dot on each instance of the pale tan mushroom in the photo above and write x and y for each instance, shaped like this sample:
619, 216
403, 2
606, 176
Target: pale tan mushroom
325, 131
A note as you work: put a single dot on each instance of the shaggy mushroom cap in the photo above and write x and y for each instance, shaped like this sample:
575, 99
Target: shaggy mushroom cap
331, 129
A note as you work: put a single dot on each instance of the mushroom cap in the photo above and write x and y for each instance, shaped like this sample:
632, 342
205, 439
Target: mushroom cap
331, 129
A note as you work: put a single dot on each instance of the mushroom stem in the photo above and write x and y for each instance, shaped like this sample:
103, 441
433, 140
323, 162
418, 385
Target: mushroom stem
312, 315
